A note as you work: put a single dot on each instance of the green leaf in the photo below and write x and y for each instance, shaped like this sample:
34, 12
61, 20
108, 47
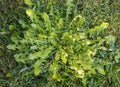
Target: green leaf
30, 13
14, 39
77, 21
104, 25
11, 27
110, 41
23, 24
46, 52
64, 56
20, 57
100, 70
56, 76
12, 46
47, 21
98, 29
84, 81
80, 73
69, 5
57, 56
64, 60
43, 54
80, 22
33, 47
81, 36
60, 23
117, 57
36, 71
93, 71
86, 66
37, 67
35, 55
8, 75
54, 66
28, 2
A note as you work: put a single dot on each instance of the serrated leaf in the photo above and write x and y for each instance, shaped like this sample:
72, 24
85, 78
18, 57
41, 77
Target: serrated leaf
101, 70
98, 29
33, 47
11, 46
56, 76
35, 55
32, 57
86, 66
37, 71
22, 22
57, 56
18, 58
64, 60
37, 63
42, 54
64, 56
53, 67
37, 67
93, 71
47, 21
47, 52
60, 23
14, 39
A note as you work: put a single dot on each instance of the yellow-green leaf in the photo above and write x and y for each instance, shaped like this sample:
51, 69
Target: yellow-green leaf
80, 73
64, 56
56, 76
28, 2
8, 75
60, 23
11, 46
101, 70
57, 56
64, 60
36, 71
37, 67
30, 13
104, 25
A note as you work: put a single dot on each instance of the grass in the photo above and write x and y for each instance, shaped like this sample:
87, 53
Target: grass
95, 12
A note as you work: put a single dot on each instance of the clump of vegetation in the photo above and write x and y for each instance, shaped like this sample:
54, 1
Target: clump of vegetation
59, 49
56, 46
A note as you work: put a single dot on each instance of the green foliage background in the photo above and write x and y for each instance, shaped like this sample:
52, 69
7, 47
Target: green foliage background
14, 74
